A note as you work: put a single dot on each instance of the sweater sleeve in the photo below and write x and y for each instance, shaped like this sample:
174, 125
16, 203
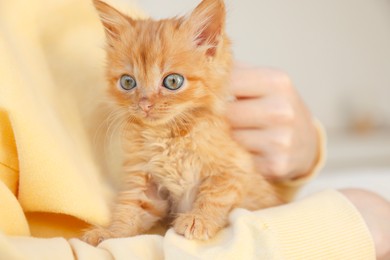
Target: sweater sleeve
289, 188
323, 226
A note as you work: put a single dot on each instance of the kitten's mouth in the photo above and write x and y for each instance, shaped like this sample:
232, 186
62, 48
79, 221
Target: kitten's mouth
149, 117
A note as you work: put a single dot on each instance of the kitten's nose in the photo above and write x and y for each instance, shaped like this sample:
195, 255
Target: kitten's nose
145, 104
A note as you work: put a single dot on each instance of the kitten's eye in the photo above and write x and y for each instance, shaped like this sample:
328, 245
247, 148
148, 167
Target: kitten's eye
173, 81
127, 82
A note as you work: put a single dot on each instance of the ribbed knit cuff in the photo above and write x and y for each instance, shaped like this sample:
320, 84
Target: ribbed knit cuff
323, 226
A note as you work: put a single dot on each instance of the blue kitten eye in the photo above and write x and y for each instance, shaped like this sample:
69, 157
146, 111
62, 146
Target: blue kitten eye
127, 82
173, 81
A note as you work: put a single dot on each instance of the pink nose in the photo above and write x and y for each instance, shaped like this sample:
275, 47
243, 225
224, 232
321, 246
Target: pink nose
145, 105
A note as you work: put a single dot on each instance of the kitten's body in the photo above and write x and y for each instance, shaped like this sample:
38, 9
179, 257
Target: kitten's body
180, 158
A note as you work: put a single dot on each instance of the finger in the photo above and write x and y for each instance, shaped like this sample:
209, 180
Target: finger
271, 150
270, 143
251, 140
247, 113
256, 82
259, 112
274, 169
261, 166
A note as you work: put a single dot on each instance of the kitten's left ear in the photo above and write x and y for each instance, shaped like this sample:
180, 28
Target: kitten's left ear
207, 23
113, 21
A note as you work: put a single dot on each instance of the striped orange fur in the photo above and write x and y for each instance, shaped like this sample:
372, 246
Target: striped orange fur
180, 159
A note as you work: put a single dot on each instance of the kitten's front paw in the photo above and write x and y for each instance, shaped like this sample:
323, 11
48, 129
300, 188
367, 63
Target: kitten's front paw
195, 226
96, 235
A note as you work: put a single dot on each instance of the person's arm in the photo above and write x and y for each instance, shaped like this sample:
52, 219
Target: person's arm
270, 119
375, 211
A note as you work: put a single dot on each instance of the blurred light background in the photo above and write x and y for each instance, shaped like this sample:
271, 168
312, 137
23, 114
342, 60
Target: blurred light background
338, 56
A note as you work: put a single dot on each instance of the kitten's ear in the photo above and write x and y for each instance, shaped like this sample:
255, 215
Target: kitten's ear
207, 23
113, 21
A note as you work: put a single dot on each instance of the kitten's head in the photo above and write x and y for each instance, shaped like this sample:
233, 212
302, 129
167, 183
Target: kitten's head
168, 71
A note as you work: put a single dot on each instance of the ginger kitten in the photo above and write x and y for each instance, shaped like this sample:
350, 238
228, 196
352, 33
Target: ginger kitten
170, 80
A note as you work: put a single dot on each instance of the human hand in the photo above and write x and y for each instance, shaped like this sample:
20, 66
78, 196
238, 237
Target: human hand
375, 211
272, 122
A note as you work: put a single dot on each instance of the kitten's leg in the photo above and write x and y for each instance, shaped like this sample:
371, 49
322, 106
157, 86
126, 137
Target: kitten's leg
259, 193
137, 209
216, 197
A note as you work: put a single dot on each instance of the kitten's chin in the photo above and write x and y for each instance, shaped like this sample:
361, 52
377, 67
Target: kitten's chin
159, 119
153, 120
